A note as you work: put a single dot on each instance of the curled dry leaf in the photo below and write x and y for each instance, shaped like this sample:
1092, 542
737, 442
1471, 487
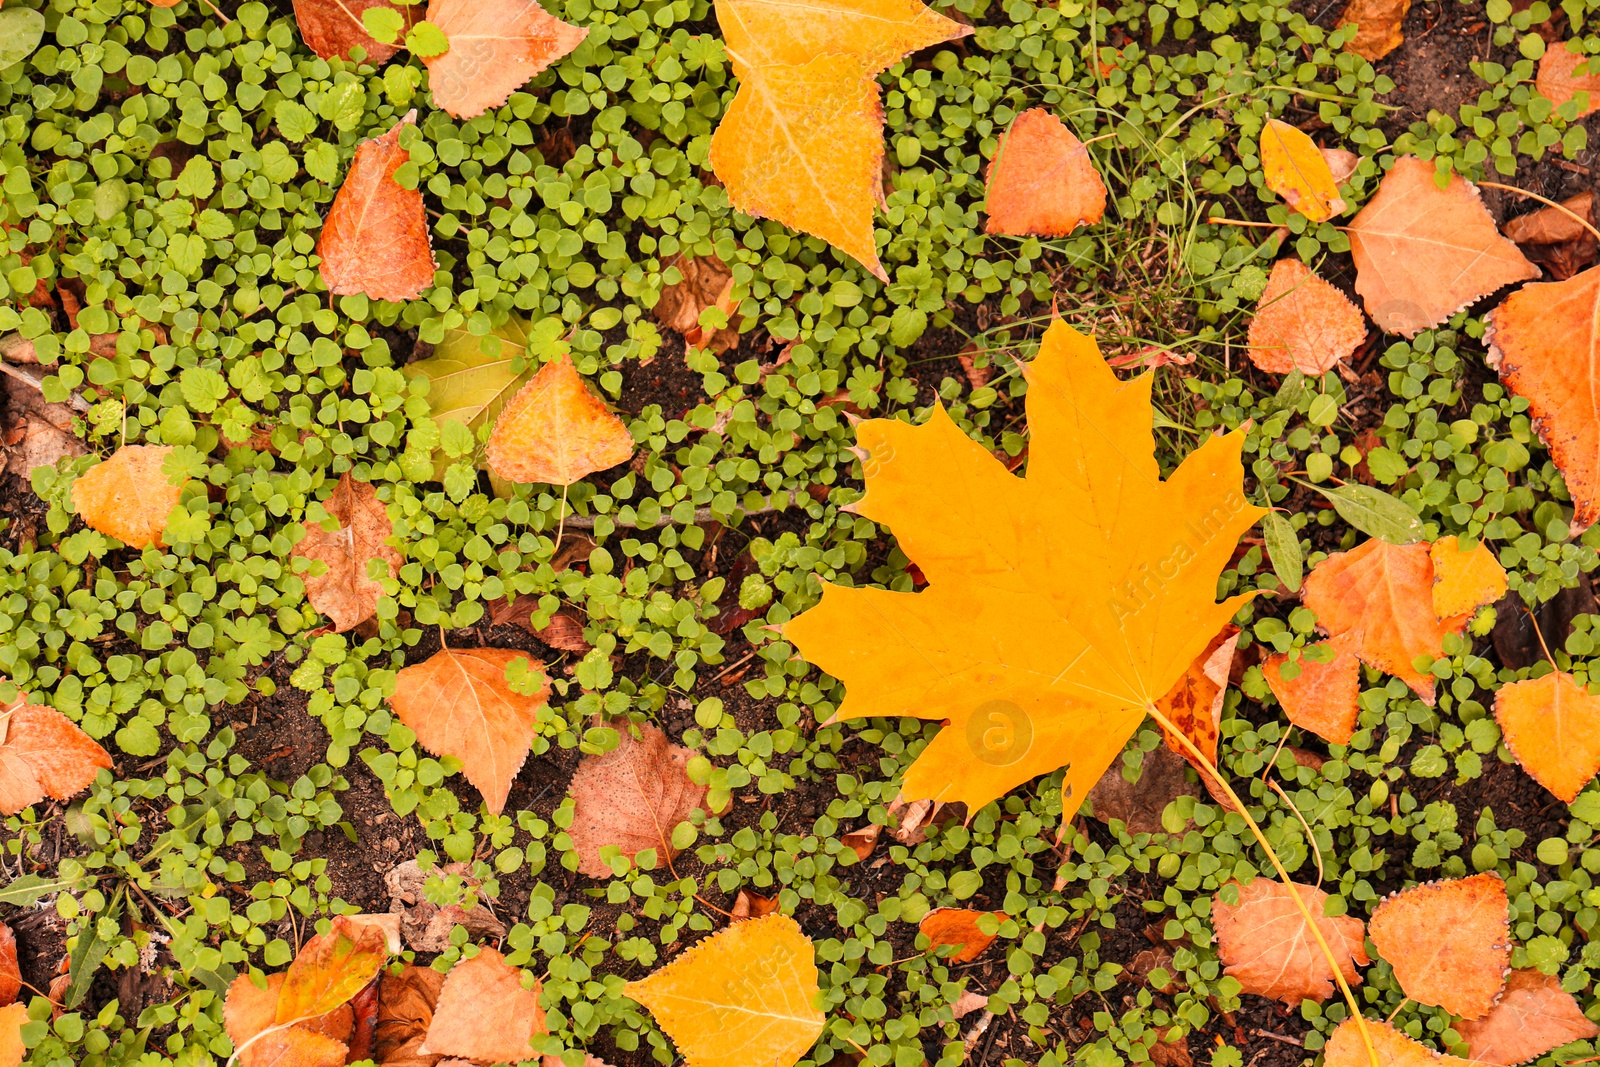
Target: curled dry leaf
556, 431
1150, 357
1346, 1049
862, 841
1303, 323
249, 1010
706, 283
802, 142
1322, 697
485, 1013
748, 905
10, 972
426, 926
1533, 1016
128, 496
459, 703
333, 27
1558, 79
1378, 25
958, 927
1464, 580
1423, 253
1042, 180
330, 969
1295, 168
1139, 804
745, 995
495, 47
44, 754
631, 797
375, 239
1342, 163
405, 1009
343, 591
1449, 942
1267, 945
1547, 226
1552, 725
968, 1002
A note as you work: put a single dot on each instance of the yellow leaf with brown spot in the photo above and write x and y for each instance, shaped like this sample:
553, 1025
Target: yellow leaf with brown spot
128, 496
1295, 169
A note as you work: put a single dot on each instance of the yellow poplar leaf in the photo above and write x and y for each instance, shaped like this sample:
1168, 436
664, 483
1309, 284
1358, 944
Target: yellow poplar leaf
1033, 664
555, 430
249, 1010
1464, 580
1448, 941
1042, 180
1303, 323
802, 142
1296, 170
330, 969
12, 1019
128, 496
1552, 725
484, 1012
745, 995
1346, 1049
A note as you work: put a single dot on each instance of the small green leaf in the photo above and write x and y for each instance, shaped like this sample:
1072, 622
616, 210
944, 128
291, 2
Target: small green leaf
28, 890
21, 30
1291, 392
1376, 513
427, 40
1283, 549
383, 24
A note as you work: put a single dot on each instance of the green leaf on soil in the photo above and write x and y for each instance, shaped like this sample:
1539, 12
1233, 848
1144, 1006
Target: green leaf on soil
1375, 513
1283, 549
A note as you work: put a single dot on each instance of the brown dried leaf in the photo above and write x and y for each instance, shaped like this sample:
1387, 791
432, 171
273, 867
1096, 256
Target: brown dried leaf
1547, 226
862, 841
1267, 945
128, 496
1139, 804
343, 591
631, 797
748, 905
495, 47
426, 926
1533, 1016
33, 432
1558, 80
405, 1008
375, 240
707, 283
1303, 323
485, 1013
1378, 26
1449, 942
333, 27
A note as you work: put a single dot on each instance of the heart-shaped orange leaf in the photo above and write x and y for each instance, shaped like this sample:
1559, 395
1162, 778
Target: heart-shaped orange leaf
631, 797
1042, 180
44, 754
1559, 81
1552, 725
128, 496
485, 1013
496, 46
1322, 697
1533, 1016
958, 926
1449, 942
1266, 944
1303, 323
556, 431
333, 27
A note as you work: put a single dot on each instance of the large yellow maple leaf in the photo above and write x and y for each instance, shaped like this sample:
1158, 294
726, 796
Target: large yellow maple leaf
1060, 607
802, 141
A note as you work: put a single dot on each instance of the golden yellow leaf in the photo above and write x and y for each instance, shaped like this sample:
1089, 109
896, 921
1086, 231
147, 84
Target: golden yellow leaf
330, 969
1033, 664
555, 430
128, 496
802, 142
1346, 1049
1448, 941
745, 995
1552, 725
1296, 170
12, 1019
1464, 580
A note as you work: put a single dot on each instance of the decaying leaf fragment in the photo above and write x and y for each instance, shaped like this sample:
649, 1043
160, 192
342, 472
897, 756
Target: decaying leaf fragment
705, 282
1449, 942
1042, 180
128, 496
427, 926
333, 27
1303, 323
44, 754
1266, 944
1378, 25
495, 47
343, 591
1534, 1015
555, 430
1558, 79
1296, 169
1552, 725
375, 239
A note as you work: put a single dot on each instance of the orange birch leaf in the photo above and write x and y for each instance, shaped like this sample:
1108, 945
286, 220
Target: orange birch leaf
1552, 725
1042, 180
1539, 339
1303, 323
128, 496
343, 592
958, 926
1533, 1016
1033, 667
250, 1010
459, 704
330, 969
1558, 80
1346, 1049
1378, 25
745, 995
496, 46
802, 142
1295, 169
485, 1013
12, 1019
10, 972
44, 754
375, 240
1266, 944
1322, 697
1449, 942
556, 431
1463, 581
333, 27
1423, 253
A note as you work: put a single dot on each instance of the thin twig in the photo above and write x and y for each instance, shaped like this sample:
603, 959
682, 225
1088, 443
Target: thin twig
76, 402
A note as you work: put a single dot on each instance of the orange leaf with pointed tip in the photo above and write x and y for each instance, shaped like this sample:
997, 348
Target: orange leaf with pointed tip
1295, 169
333, 27
1449, 942
802, 142
1042, 180
1322, 697
330, 969
958, 926
745, 995
555, 430
1034, 666
1346, 1049
1552, 725
484, 1012
1533, 1016
632, 797
748, 905
249, 1010
1303, 323
375, 240
1266, 944
459, 703
1558, 80
1464, 580
496, 46
128, 496
343, 592
12, 1050
1423, 253
44, 754
1539, 340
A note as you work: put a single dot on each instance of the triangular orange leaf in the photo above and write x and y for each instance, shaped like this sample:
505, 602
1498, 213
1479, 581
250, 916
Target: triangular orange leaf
333, 27
1042, 180
631, 797
1464, 580
1322, 697
1296, 170
1533, 1016
1346, 1049
343, 592
44, 753
128, 496
1266, 944
496, 46
1303, 323
375, 240
485, 1013
459, 704
1558, 80
1552, 725
1423, 253
958, 926
330, 969
555, 430
802, 142
1449, 942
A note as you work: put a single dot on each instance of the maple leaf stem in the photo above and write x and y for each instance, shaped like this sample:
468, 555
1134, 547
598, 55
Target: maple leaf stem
1277, 865
1573, 215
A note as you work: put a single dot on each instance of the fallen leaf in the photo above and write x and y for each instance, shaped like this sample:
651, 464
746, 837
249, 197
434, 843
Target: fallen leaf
44, 754
1346, 1049
375, 239
748, 905
1534, 1015
405, 1008
1033, 667
564, 631
330, 969
589, 1060
364, 1016
1322, 697
1539, 340
1547, 226
1042, 180
460, 704
249, 1010
1462, 581
958, 926
1342, 163
333, 27
632, 797
33, 432
128, 496
802, 142
12, 1019
1303, 323
1449, 942
1150, 960
485, 1013
556, 431
1150, 357
745, 995
1140, 804
1377, 26
1194, 704
1423, 253
1558, 80
496, 46
969, 1002
10, 972
426, 926
1295, 168
706, 283
343, 591
471, 379
388, 922
1552, 725
1171, 1048
1268, 946
863, 841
